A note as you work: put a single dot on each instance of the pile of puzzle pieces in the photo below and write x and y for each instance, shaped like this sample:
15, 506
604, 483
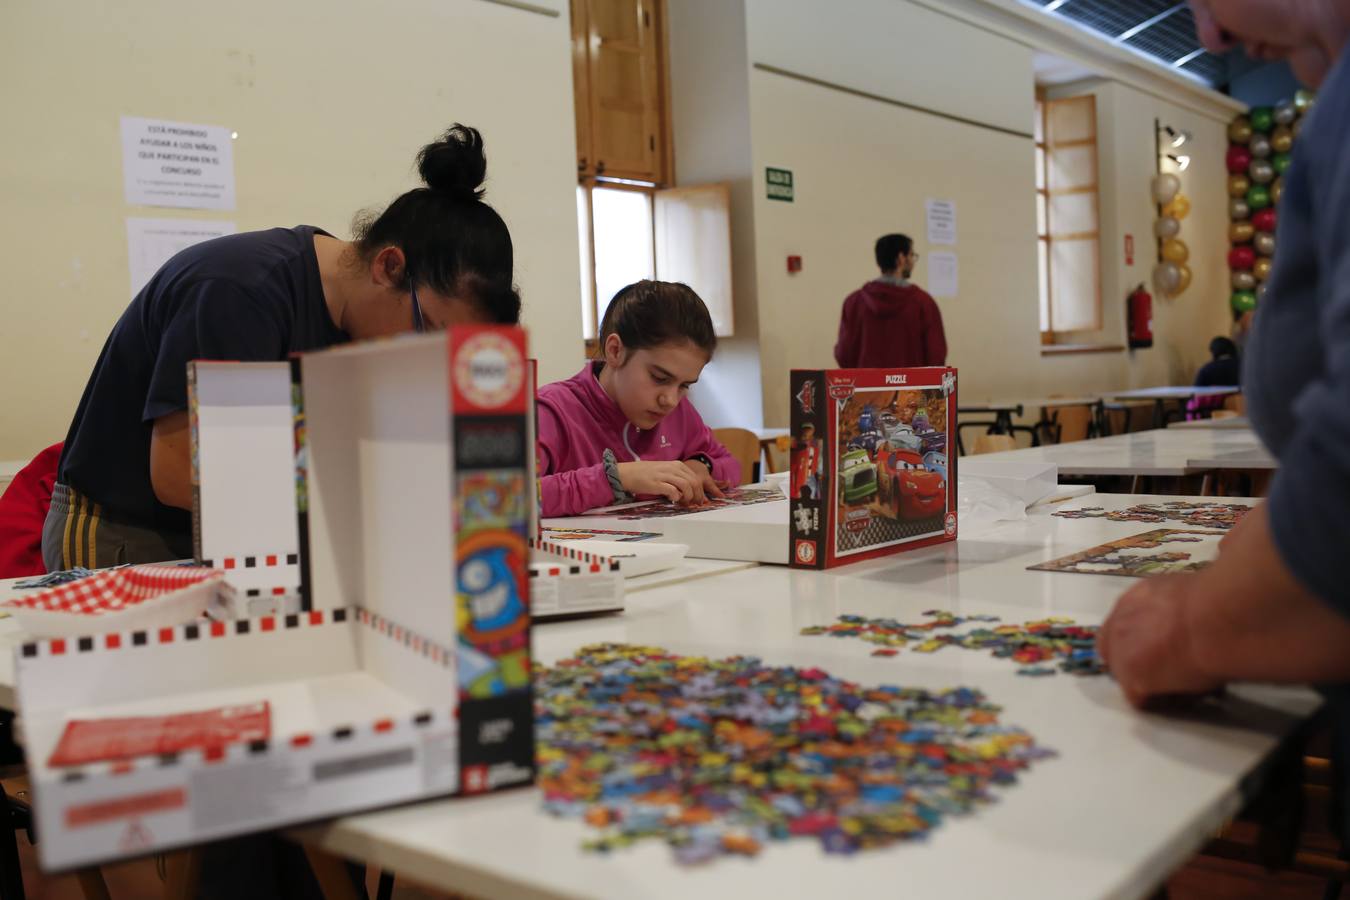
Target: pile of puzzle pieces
1196, 515
720, 757
1045, 640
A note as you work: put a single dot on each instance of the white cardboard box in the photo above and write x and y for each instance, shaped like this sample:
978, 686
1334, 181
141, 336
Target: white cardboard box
407, 676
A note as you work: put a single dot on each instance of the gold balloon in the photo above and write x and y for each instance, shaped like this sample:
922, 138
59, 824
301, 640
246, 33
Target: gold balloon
1179, 207
1241, 232
1281, 140
1175, 250
1276, 189
1240, 130
1262, 268
1303, 100
1238, 185
1185, 281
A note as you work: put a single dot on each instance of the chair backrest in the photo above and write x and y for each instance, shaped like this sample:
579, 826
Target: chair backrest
743, 444
1237, 403
1072, 422
993, 443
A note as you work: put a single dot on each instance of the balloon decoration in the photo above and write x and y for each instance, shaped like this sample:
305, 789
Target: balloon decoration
1166, 227
1261, 268
1285, 112
1241, 259
1281, 163
1262, 118
1244, 281
1238, 209
1240, 131
1175, 250
1264, 243
1261, 292
1165, 187
1238, 185
1185, 280
1264, 221
1243, 301
1276, 189
1303, 101
1166, 278
1239, 159
1282, 140
1261, 171
1258, 196
1178, 208
1259, 147
1241, 232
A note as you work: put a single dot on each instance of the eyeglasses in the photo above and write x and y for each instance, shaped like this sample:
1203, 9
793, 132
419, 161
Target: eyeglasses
419, 324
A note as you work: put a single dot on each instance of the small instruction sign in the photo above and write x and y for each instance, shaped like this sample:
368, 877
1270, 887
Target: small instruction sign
177, 164
941, 216
780, 184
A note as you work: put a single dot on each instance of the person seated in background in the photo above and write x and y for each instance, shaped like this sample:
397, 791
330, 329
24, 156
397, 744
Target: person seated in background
1275, 605
437, 256
890, 323
1223, 368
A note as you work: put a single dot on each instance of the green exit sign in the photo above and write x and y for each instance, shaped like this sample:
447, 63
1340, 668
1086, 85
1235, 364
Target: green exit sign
780, 184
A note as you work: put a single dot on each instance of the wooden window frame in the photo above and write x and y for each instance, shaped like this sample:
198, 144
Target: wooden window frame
589, 184
1047, 237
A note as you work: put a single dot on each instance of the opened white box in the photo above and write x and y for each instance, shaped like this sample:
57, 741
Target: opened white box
406, 677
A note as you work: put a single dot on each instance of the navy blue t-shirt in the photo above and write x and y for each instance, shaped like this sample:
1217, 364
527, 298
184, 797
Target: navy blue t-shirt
255, 296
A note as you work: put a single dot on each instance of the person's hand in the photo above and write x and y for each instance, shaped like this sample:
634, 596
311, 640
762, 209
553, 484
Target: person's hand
676, 481
711, 487
1147, 644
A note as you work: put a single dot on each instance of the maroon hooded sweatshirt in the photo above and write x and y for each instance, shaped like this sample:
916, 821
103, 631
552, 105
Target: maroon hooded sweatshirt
890, 326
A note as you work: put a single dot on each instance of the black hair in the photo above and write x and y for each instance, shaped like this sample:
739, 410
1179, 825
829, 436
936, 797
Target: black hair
650, 313
1221, 347
453, 242
889, 247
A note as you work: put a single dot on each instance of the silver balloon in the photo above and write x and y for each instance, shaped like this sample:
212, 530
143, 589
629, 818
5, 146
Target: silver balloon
1261, 291
1262, 171
1238, 209
1285, 112
1264, 242
1166, 227
1260, 146
1166, 278
1165, 187
1244, 280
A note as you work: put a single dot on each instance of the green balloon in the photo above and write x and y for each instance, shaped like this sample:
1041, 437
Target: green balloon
1258, 197
1244, 301
1263, 119
1281, 163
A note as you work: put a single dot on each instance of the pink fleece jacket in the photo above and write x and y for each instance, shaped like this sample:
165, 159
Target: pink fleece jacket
578, 421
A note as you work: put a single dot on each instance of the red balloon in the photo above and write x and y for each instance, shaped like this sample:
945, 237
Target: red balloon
1239, 158
1264, 219
1240, 258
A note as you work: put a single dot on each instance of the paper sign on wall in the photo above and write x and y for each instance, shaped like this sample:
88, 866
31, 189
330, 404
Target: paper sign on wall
941, 221
150, 243
943, 275
177, 164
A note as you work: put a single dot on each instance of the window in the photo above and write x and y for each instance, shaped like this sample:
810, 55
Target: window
1067, 217
631, 225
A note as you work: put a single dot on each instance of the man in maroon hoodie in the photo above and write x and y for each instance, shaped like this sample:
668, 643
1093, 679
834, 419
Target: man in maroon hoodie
890, 323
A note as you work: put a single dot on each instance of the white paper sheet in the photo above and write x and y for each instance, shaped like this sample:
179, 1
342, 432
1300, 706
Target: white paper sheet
150, 243
177, 164
943, 274
941, 215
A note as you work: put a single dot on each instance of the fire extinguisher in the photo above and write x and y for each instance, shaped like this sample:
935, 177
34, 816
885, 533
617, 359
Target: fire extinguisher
1139, 309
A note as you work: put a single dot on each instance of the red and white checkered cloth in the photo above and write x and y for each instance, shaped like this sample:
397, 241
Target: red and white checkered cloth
115, 589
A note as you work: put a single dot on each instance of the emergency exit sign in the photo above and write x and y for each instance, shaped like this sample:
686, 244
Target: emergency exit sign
779, 183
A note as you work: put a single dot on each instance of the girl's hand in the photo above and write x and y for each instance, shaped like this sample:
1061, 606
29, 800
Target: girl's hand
709, 484
675, 481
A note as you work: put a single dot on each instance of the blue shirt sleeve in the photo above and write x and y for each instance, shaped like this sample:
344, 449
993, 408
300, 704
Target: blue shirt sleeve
215, 319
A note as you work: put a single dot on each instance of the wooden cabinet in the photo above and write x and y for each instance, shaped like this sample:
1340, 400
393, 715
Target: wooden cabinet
619, 72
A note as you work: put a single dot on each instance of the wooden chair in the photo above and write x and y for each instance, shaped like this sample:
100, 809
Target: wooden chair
1069, 423
1223, 414
993, 443
1236, 403
743, 444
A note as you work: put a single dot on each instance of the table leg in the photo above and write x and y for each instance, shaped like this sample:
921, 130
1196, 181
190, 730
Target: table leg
182, 872
331, 873
1159, 413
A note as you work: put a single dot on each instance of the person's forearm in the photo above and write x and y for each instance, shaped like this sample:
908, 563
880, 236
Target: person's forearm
1252, 620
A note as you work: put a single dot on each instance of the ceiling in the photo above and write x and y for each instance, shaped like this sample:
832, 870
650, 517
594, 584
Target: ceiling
1162, 30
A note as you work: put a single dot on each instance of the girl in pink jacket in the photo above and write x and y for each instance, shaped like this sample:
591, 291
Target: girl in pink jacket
622, 427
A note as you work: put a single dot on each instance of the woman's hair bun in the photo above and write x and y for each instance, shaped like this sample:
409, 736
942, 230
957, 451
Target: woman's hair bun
455, 164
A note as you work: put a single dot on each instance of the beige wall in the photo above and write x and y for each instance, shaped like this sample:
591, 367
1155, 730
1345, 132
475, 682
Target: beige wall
331, 102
